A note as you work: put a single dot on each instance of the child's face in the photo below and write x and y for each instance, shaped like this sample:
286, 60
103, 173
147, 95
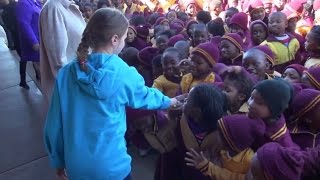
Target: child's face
256, 172
311, 44
229, 15
166, 25
277, 25
191, 28
171, 16
255, 64
170, 64
191, 9
185, 66
87, 12
162, 42
233, 3
292, 24
236, 29
199, 36
306, 81
259, 14
128, 2
258, 107
156, 70
228, 50
259, 34
291, 75
232, 93
200, 66
130, 35
268, 7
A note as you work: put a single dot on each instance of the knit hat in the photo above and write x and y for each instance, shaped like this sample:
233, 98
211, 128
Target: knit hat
178, 21
299, 68
316, 5
305, 101
176, 27
240, 19
190, 22
267, 51
208, 51
293, 9
174, 39
146, 55
142, 31
279, 162
254, 5
235, 39
277, 94
161, 20
240, 132
314, 76
133, 29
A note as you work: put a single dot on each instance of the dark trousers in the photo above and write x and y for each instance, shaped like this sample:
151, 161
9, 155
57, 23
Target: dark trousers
23, 67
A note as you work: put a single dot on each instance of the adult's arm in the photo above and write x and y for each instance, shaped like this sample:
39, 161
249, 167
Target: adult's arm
53, 132
54, 37
24, 19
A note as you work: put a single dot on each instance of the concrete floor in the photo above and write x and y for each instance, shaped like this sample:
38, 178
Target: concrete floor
22, 154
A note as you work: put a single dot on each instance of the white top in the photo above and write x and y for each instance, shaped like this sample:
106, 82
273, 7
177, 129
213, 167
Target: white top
61, 28
3, 40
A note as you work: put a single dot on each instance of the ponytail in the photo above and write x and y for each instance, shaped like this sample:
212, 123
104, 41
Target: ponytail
83, 52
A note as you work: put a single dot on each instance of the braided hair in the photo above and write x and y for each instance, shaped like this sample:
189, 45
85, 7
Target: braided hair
103, 25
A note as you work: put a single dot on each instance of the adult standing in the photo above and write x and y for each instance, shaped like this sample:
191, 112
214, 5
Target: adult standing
61, 27
27, 16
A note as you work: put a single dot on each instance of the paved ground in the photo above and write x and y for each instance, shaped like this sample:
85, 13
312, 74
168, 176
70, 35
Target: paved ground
22, 154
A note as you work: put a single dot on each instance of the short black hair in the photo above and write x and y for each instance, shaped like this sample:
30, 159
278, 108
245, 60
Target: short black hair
241, 81
203, 16
216, 27
130, 56
316, 30
137, 20
169, 33
172, 50
156, 61
182, 16
233, 9
153, 18
210, 100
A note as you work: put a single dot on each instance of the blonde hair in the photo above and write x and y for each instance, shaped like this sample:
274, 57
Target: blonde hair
103, 25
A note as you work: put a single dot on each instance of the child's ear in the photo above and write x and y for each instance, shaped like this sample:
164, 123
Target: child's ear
286, 24
241, 97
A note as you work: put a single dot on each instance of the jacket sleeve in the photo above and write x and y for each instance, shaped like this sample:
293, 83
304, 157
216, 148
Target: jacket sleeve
54, 38
215, 172
53, 132
24, 18
138, 95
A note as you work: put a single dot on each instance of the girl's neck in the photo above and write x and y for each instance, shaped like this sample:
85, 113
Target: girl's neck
235, 108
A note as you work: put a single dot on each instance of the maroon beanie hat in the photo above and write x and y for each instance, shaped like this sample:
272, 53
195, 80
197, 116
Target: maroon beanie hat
178, 21
255, 4
161, 20
267, 51
305, 101
146, 55
133, 29
176, 27
314, 76
279, 162
293, 8
142, 31
175, 39
298, 67
190, 22
240, 132
240, 19
235, 39
208, 51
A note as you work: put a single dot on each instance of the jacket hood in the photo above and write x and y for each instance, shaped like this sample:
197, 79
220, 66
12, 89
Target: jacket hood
100, 80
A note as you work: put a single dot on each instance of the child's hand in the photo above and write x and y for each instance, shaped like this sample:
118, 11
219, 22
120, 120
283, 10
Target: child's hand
195, 159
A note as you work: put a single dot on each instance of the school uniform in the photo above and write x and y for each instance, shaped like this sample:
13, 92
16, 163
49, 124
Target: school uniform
302, 136
312, 62
85, 127
237, 61
275, 132
167, 87
138, 43
187, 82
285, 51
244, 108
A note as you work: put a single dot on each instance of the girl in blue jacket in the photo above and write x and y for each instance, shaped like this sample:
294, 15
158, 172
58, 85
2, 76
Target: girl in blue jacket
86, 122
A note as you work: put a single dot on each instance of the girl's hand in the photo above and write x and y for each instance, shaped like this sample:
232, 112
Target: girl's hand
61, 173
175, 103
194, 159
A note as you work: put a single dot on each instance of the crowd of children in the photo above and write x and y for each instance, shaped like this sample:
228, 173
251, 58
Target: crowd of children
248, 73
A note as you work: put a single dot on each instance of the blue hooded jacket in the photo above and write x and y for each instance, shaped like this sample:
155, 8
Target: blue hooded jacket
86, 122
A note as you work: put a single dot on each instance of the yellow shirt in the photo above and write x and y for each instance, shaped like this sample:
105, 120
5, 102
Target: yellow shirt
281, 52
187, 82
167, 87
312, 62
